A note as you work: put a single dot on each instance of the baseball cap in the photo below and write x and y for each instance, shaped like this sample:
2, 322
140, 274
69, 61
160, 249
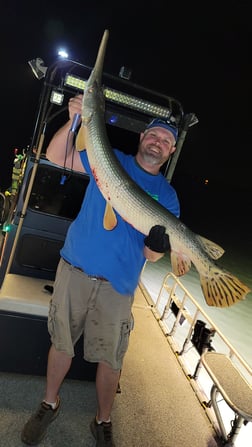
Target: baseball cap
166, 124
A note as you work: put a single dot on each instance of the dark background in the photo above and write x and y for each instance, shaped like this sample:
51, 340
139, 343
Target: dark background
198, 53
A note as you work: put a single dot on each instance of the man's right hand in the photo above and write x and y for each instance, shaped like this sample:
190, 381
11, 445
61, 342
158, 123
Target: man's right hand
75, 106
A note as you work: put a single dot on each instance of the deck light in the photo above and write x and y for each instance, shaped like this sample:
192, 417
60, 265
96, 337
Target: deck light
125, 73
57, 97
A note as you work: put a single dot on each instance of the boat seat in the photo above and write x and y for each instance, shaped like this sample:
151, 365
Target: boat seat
233, 387
24, 294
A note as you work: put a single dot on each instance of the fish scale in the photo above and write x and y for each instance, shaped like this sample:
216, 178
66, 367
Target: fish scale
135, 206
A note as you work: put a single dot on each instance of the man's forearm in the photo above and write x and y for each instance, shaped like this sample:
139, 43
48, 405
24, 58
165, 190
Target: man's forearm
60, 148
151, 255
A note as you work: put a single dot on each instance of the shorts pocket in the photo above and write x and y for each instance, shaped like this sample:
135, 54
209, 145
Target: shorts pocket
51, 318
124, 339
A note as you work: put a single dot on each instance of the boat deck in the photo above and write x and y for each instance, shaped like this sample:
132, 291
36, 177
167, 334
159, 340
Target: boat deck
156, 407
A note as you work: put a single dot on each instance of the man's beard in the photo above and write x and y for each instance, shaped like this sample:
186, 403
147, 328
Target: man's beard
153, 158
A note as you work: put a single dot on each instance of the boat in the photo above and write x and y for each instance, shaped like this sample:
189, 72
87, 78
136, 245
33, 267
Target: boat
182, 382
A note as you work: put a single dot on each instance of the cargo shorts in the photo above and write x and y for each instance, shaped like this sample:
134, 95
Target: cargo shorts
92, 307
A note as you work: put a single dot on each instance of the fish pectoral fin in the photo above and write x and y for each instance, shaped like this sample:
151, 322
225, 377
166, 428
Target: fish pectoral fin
214, 250
109, 219
80, 142
180, 263
221, 288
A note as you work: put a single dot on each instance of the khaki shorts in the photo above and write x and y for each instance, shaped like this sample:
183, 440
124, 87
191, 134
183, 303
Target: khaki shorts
81, 305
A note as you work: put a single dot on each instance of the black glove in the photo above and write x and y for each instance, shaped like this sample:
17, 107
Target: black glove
157, 240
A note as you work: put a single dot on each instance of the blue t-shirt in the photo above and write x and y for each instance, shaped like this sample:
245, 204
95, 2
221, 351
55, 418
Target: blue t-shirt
117, 255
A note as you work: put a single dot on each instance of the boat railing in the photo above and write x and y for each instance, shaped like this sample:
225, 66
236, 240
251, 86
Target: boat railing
191, 332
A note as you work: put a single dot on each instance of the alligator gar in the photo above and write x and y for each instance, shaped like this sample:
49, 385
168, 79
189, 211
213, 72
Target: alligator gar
220, 288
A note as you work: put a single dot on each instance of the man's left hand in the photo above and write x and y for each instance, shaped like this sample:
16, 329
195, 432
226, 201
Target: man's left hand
157, 240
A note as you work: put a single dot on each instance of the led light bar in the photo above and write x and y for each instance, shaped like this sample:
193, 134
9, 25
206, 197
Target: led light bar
122, 99
75, 81
139, 104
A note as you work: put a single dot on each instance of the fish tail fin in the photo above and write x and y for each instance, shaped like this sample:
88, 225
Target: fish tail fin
221, 288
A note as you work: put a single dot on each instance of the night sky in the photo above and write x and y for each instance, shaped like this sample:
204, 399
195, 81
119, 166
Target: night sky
200, 55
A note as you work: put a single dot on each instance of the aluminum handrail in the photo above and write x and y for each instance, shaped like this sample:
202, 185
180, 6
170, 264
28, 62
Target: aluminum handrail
187, 311
181, 304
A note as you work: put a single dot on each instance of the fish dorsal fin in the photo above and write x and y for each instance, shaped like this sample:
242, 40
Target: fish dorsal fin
180, 263
80, 143
109, 219
214, 250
